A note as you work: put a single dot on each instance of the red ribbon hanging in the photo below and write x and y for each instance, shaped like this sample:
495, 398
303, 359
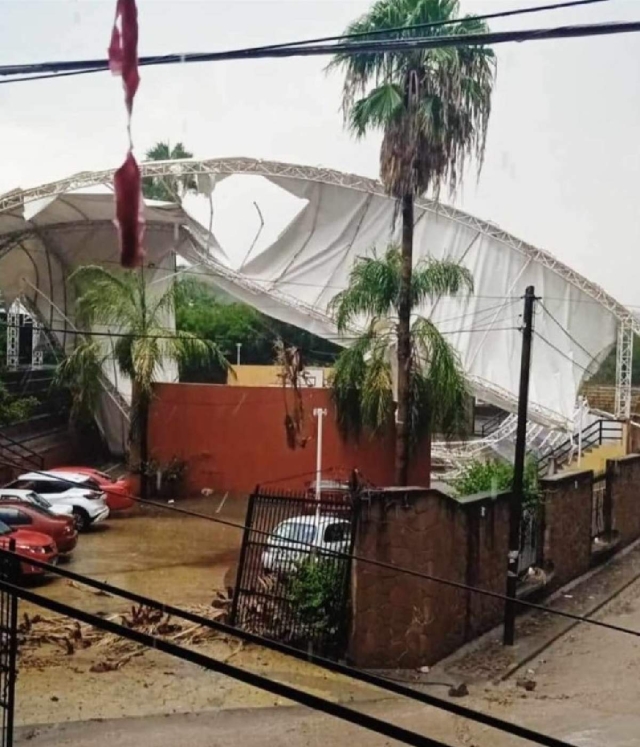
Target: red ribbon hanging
123, 61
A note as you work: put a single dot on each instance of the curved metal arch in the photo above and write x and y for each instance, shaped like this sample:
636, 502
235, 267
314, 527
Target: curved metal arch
251, 166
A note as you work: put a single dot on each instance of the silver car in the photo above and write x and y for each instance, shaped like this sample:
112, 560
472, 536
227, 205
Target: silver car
292, 539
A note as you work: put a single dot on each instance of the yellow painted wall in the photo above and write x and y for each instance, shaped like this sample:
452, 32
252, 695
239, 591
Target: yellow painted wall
262, 375
254, 376
596, 459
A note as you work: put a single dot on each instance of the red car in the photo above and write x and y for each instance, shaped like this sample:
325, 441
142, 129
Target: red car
29, 545
117, 492
61, 529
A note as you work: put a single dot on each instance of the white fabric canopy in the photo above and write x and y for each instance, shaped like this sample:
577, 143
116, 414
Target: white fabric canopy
43, 241
48, 231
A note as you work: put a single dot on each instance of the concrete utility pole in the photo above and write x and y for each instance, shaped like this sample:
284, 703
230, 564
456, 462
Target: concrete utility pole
238, 347
515, 516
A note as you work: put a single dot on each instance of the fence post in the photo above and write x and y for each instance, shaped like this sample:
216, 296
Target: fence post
10, 570
243, 557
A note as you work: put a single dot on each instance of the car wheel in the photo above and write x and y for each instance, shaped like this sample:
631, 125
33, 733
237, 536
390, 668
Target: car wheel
83, 522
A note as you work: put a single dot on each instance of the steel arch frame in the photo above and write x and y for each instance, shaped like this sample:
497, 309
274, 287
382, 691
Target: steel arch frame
250, 166
15, 199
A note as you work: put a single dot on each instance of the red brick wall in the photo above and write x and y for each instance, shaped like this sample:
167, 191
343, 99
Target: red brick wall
402, 621
567, 521
625, 491
234, 438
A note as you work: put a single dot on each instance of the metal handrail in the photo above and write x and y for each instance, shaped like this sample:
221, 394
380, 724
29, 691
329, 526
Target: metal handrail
593, 435
16, 448
489, 426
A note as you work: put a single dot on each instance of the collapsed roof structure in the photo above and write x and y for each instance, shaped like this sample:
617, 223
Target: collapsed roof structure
48, 231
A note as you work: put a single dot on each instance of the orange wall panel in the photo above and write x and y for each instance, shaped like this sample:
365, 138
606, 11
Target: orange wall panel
233, 438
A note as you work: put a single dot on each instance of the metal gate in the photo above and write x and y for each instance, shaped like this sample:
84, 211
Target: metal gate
9, 572
294, 572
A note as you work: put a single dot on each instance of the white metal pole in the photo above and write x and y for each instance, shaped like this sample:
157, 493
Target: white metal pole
238, 346
319, 413
580, 426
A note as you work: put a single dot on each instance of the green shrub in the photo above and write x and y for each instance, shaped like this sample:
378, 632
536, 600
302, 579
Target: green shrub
316, 591
494, 476
14, 409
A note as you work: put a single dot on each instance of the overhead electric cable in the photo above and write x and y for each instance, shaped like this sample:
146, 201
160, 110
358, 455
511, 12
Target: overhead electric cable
373, 47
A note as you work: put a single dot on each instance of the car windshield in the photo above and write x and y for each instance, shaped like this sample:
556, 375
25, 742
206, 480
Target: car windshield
298, 532
4, 529
38, 500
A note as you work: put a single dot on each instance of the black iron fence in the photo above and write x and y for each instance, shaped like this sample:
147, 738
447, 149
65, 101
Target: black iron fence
601, 507
529, 539
293, 583
9, 572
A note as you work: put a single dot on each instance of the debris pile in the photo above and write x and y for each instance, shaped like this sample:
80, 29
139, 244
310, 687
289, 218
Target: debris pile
69, 637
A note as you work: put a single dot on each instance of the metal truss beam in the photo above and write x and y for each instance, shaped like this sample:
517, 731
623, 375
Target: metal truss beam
15, 200
624, 360
13, 337
11, 201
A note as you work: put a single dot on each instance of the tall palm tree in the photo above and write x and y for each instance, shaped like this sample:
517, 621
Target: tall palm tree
167, 188
433, 108
363, 373
122, 303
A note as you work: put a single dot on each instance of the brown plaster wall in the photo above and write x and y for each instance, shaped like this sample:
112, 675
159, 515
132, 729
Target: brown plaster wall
567, 525
403, 621
625, 493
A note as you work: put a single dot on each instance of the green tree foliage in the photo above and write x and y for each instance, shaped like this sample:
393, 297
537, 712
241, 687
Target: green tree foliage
167, 188
362, 383
123, 303
432, 106
200, 312
14, 409
496, 477
606, 374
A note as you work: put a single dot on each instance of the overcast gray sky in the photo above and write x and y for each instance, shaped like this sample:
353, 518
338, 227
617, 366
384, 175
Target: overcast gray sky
563, 156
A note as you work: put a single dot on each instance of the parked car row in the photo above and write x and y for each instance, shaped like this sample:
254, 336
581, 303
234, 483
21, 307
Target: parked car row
44, 511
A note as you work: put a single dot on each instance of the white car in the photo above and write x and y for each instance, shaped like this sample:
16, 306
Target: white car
318, 532
28, 496
88, 506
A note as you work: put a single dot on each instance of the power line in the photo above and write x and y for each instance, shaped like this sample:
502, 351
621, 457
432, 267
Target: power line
593, 358
88, 66
374, 47
359, 558
433, 25
561, 352
307, 656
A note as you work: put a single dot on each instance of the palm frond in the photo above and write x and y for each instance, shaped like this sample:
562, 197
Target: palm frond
438, 382
104, 297
377, 109
377, 390
374, 283
439, 114
146, 359
348, 378
433, 278
81, 373
185, 348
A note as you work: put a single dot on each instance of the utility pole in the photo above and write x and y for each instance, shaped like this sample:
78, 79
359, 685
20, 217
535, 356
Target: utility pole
515, 514
238, 348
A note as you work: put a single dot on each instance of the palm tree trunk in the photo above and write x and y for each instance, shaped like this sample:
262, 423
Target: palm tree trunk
144, 448
404, 344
